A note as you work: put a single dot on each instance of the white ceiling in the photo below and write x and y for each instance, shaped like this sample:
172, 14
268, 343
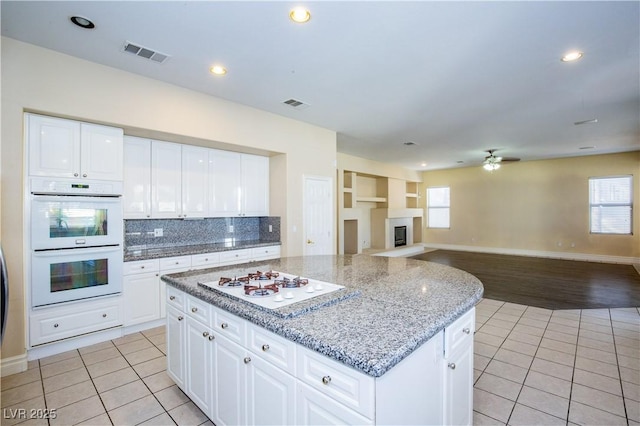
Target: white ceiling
455, 78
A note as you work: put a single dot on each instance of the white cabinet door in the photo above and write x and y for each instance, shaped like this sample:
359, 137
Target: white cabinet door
225, 183
315, 408
136, 199
176, 327
458, 388
201, 358
54, 146
101, 152
195, 181
270, 394
141, 298
166, 179
255, 185
229, 383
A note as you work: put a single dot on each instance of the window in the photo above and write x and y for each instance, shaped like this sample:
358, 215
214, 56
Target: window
438, 207
610, 205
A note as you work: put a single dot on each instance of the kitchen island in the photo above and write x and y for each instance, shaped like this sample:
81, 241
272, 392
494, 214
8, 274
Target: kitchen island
387, 339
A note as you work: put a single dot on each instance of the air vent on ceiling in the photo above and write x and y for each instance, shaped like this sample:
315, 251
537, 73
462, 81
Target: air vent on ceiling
145, 52
296, 104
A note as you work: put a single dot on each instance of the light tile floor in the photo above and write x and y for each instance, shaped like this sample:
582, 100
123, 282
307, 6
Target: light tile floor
533, 366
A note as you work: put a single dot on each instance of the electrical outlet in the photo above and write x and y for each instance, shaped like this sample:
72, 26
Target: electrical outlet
270, 228
230, 229
158, 232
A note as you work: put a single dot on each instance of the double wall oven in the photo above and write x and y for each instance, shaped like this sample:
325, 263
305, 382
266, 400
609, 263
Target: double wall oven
76, 240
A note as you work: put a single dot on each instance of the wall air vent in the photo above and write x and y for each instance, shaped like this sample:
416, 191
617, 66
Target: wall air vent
145, 52
296, 104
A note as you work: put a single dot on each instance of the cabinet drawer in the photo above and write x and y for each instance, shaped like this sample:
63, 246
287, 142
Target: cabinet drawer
263, 253
176, 298
140, 266
50, 324
205, 260
178, 262
198, 309
271, 347
352, 388
459, 333
229, 325
235, 256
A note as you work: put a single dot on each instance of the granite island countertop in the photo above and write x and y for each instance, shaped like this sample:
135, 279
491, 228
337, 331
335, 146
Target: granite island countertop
397, 304
143, 253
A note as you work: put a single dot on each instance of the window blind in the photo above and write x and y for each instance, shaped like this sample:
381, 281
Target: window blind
438, 207
610, 204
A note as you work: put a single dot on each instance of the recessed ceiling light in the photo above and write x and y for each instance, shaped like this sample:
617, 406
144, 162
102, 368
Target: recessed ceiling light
572, 56
423, 165
300, 15
82, 22
218, 70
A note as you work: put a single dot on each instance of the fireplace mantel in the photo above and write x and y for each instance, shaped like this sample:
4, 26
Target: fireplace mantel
383, 222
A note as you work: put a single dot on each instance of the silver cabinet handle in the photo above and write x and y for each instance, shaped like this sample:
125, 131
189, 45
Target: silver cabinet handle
104, 315
247, 360
211, 337
180, 318
142, 267
55, 325
452, 365
205, 334
177, 262
265, 347
224, 325
148, 215
194, 310
172, 298
84, 175
466, 330
75, 175
326, 380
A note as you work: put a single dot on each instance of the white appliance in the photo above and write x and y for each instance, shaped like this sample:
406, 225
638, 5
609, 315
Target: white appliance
72, 274
76, 239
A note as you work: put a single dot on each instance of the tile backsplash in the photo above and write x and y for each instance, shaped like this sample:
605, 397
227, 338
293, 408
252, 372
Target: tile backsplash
182, 232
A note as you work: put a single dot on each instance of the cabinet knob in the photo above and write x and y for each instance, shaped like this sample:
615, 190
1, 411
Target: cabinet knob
184, 215
172, 298
84, 175
452, 365
247, 360
148, 215
55, 325
265, 347
194, 310
326, 380
75, 175
177, 262
211, 337
205, 334
466, 330
224, 325
180, 318
142, 267
104, 315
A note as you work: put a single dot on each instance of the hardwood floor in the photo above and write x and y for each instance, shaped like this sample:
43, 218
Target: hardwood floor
547, 283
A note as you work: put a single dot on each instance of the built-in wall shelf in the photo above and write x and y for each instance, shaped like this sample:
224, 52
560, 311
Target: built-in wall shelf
371, 199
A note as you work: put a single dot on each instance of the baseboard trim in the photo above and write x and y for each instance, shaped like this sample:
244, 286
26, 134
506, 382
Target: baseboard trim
13, 365
586, 257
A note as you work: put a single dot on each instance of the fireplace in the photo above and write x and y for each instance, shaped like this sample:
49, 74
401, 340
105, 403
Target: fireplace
400, 233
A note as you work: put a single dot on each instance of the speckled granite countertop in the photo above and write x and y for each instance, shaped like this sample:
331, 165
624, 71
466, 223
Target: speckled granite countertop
136, 253
401, 303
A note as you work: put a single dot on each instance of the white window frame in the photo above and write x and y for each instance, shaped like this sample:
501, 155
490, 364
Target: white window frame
438, 207
600, 204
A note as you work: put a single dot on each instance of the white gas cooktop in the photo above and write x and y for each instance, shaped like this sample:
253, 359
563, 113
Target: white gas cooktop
271, 290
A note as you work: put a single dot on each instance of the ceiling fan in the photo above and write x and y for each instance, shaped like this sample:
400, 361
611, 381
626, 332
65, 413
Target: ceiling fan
492, 162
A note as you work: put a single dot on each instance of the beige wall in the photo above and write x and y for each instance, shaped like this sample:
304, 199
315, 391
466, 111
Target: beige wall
41, 80
533, 205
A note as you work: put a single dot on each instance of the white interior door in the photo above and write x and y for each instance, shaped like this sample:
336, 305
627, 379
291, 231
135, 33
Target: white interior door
318, 215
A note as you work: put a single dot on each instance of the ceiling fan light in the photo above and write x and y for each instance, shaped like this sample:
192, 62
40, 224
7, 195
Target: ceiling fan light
491, 166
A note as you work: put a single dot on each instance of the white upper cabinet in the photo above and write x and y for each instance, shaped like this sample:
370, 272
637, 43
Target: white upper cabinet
70, 149
225, 183
239, 184
195, 181
136, 198
170, 180
255, 185
166, 180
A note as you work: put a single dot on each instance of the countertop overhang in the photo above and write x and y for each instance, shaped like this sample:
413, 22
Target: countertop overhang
401, 304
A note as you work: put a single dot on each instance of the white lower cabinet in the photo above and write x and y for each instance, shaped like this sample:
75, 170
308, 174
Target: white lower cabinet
458, 371
176, 349
141, 298
240, 373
